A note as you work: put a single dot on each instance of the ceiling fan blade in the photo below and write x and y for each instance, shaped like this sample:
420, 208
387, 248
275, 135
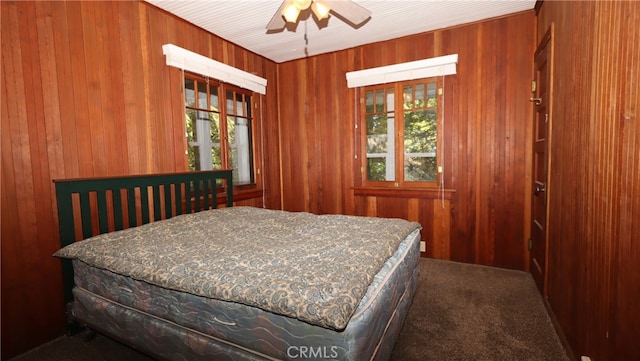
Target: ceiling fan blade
349, 11
277, 21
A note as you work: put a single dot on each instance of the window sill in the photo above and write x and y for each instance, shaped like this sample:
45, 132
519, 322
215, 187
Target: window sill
426, 193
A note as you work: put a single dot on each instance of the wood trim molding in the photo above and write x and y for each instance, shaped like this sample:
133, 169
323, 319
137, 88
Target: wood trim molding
424, 193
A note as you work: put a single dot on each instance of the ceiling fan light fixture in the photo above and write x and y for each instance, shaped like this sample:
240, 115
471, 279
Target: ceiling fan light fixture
290, 10
291, 13
320, 10
301, 4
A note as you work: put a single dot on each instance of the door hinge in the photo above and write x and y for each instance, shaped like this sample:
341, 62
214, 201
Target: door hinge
530, 244
534, 86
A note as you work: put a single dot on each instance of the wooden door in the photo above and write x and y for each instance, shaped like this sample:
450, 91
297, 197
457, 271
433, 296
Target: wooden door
538, 243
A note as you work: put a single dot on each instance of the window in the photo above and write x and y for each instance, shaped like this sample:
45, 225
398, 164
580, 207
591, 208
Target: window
400, 133
219, 127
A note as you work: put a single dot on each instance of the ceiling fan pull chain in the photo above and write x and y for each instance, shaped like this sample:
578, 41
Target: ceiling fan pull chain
306, 40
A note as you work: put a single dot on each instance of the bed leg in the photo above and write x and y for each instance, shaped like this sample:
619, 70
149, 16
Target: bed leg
73, 326
87, 334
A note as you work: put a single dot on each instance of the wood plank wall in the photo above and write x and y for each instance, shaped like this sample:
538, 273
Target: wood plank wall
486, 148
86, 92
594, 253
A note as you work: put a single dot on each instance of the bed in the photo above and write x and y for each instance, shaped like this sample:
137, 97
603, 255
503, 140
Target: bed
166, 271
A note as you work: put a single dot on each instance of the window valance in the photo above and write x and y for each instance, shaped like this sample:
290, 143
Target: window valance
200, 64
442, 65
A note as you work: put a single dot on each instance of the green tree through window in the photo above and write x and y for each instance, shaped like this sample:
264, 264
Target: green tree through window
219, 128
401, 140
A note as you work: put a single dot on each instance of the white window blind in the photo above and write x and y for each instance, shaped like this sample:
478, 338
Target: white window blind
200, 64
442, 65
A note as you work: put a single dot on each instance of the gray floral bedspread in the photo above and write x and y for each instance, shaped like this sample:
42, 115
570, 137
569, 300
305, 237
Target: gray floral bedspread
312, 267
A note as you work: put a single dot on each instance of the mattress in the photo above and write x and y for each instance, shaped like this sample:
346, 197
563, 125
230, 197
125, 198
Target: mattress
314, 268
217, 329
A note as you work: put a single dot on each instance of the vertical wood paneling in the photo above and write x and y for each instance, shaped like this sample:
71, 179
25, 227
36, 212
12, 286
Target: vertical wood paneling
455, 162
130, 38
295, 122
117, 120
486, 128
441, 221
22, 183
598, 149
62, 55
520, 55
117, 114
11, 74
86, 92
595, 183
270, 135
485, 125
434, 214
80, 89
625, 280
49, 76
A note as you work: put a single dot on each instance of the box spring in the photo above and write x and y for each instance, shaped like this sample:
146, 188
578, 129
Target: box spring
175, 325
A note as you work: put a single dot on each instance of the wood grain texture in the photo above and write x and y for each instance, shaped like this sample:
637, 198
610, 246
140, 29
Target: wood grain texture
486, 121
594, 272
86, 92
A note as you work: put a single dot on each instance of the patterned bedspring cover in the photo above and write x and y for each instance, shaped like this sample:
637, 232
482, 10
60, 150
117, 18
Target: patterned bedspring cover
315, 268
263, 283
183, 326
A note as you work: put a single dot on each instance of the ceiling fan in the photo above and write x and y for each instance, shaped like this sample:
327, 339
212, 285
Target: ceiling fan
347, 10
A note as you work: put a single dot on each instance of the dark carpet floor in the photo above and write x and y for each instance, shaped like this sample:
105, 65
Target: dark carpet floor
470, 312
460, 312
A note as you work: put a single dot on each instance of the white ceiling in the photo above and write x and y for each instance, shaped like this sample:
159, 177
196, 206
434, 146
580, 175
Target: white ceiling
243, 22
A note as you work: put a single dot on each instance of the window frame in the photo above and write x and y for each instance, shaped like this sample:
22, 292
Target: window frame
225, 146
399, 136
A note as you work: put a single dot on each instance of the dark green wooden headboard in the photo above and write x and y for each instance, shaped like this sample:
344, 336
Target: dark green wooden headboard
92, 206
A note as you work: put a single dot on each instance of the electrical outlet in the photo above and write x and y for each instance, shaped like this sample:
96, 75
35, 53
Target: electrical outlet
423, 248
